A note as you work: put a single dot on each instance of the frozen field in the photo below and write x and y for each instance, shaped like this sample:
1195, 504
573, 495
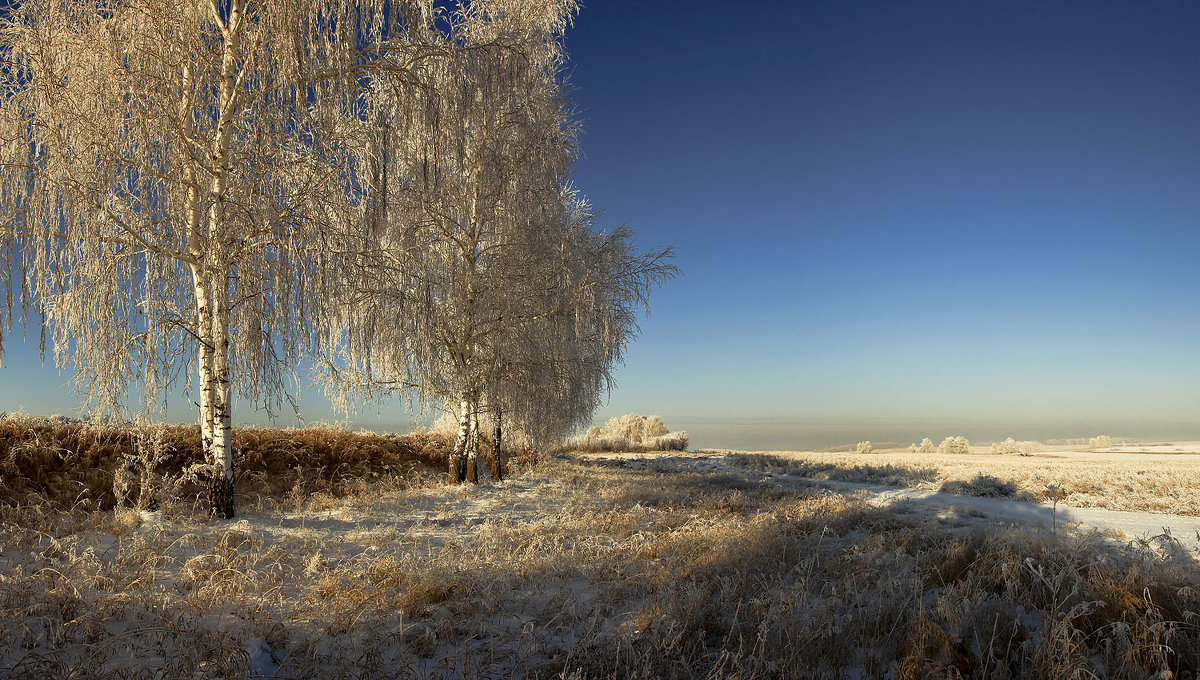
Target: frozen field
1132, 479
704, 565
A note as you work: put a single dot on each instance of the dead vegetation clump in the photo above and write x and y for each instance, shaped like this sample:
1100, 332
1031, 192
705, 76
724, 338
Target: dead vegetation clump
986, 486
87, 466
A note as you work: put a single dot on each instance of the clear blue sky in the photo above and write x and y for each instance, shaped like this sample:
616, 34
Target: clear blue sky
891, 218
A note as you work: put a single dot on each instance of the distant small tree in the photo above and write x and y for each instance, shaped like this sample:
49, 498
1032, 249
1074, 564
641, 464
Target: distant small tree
864, 447
1007, 446
926, 446
955, 444
1100, 442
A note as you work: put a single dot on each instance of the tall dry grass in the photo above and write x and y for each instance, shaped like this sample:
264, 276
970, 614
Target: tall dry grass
89, 466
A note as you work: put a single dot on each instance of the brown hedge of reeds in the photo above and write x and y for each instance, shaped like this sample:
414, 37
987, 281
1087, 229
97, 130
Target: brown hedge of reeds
69, 464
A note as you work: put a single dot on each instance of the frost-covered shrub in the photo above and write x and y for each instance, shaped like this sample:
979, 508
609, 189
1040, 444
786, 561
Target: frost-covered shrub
982, 485
863, 447
1011, 445
1030, 447
671, 441
1007, 446
631, 432
955, 445
926, 446
1101, 442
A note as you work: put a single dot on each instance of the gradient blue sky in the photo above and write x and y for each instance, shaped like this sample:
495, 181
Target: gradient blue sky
891, 217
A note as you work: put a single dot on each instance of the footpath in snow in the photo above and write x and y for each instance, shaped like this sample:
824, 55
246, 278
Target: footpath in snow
1043, 515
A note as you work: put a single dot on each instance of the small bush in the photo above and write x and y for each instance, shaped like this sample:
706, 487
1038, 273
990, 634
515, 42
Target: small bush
982, 485
1031, 447
955, 445
1009, 445
926, 446
864, 447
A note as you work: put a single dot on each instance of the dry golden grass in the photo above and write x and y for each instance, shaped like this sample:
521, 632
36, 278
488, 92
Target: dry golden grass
1139, 482
582, 568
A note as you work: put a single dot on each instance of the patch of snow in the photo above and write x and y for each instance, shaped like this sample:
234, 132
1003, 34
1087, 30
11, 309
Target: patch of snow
262, 662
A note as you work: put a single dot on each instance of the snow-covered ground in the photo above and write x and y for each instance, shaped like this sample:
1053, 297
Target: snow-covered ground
616, 565
1169, 448
1041, 515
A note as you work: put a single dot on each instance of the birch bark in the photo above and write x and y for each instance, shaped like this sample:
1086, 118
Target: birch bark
457, 471
473, 454
216, 388
497, 466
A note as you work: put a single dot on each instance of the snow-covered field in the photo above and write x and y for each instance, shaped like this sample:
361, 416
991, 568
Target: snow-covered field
988, 501
694, 565
1152, 481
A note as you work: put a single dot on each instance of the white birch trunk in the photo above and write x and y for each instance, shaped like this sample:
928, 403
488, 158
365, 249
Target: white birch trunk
456, 470
204, 355
497, 465
473, 451
220, 453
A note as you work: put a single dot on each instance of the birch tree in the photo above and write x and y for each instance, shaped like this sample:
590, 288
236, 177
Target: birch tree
488, 285
170, 169
551, 368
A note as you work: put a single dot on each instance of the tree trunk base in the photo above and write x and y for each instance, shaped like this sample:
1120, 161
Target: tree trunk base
220, 496
497, 471
472, 470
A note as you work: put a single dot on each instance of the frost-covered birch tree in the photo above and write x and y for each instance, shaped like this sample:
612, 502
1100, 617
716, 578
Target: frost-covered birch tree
172, 171
487, 285
551, 367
